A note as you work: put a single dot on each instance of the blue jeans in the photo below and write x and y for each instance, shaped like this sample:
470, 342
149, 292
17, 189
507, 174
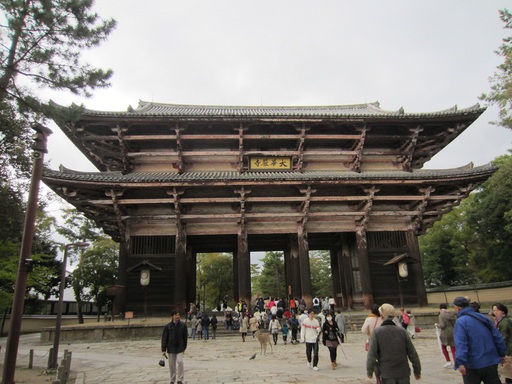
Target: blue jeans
206, 333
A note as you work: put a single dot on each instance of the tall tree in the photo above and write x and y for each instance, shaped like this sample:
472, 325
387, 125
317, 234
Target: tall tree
491, 217
321, 277
43, 42
96, 270
41, 46
78, 228
215, 277
271, 281
44, 267
446, 249
501, 81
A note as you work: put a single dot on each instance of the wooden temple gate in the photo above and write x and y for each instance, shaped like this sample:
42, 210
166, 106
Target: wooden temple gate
176, 180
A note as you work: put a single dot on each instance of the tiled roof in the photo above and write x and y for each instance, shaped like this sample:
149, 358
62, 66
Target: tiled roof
173, 177
367, 110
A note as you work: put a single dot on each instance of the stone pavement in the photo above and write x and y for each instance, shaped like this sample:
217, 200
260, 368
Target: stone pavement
226, 360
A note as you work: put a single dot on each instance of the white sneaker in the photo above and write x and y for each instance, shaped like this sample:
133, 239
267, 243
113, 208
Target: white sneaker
315, 369
309, 364
448, 364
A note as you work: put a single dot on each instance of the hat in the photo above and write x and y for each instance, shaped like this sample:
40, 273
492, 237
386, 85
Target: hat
461, 302
387, 310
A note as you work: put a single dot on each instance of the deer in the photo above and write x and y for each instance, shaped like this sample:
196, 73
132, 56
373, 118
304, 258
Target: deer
264, 338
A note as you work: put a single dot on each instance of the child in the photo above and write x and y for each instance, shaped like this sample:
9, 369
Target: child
284, 329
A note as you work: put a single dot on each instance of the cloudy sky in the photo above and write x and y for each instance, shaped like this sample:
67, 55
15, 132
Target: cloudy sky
424, 56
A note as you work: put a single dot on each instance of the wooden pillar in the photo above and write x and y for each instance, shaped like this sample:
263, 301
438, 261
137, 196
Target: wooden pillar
244, 267
191, 277
364, 268
122, 278
180, 269
416, 268
305, 270
335, 276
293, 268
287, 272
232, 301
346, 272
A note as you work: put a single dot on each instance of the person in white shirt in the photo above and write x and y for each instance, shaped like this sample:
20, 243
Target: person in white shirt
303, 316
309, 333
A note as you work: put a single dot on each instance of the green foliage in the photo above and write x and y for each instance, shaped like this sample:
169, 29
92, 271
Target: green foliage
473, 243
446, 248
41, 46
215, 270
96, 270
271, 281
491, 218
16, 138
9, 255
321, 277
11, 214
501, 81
43, 276
77, 227
43, 42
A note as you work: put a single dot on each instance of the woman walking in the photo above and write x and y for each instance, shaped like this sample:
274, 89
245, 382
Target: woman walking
370, 323
504, 325
244, 326
446, 325
330, 339
274, 328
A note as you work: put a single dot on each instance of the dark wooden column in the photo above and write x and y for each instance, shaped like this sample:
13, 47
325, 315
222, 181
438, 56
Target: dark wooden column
191, 277
416, 268
287, 272
335, 275
232, 301
364, 268
122, 278
305, 270
244, 267
346, 272
293, 268
180, 290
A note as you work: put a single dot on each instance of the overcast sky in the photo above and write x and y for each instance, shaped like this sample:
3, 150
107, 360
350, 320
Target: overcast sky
424, 56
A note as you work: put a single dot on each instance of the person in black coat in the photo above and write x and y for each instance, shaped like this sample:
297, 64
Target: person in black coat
330, 339
174, 342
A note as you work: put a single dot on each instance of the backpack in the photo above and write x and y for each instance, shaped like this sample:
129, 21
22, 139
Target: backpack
405, 318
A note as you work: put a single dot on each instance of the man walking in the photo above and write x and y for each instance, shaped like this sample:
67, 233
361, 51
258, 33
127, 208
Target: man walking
174, 342
480, 346
309, 333
390, 347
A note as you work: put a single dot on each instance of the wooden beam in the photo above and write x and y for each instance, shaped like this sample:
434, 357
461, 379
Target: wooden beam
270, 199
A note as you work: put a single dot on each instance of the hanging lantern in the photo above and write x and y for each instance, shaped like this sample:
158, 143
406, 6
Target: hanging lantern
144, 277
402, 269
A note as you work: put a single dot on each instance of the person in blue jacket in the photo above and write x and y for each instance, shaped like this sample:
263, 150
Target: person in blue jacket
480, 346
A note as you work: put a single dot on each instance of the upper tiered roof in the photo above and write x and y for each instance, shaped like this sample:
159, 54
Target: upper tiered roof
182, 138
366, 110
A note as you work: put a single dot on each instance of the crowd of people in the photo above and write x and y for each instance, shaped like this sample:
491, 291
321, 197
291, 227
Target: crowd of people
477, 345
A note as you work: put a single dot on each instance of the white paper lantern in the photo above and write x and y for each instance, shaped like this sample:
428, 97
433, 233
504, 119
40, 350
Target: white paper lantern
402, 269
144, 277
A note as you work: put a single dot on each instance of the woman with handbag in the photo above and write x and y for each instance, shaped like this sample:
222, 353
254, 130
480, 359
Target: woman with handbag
370, 323
330, 339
